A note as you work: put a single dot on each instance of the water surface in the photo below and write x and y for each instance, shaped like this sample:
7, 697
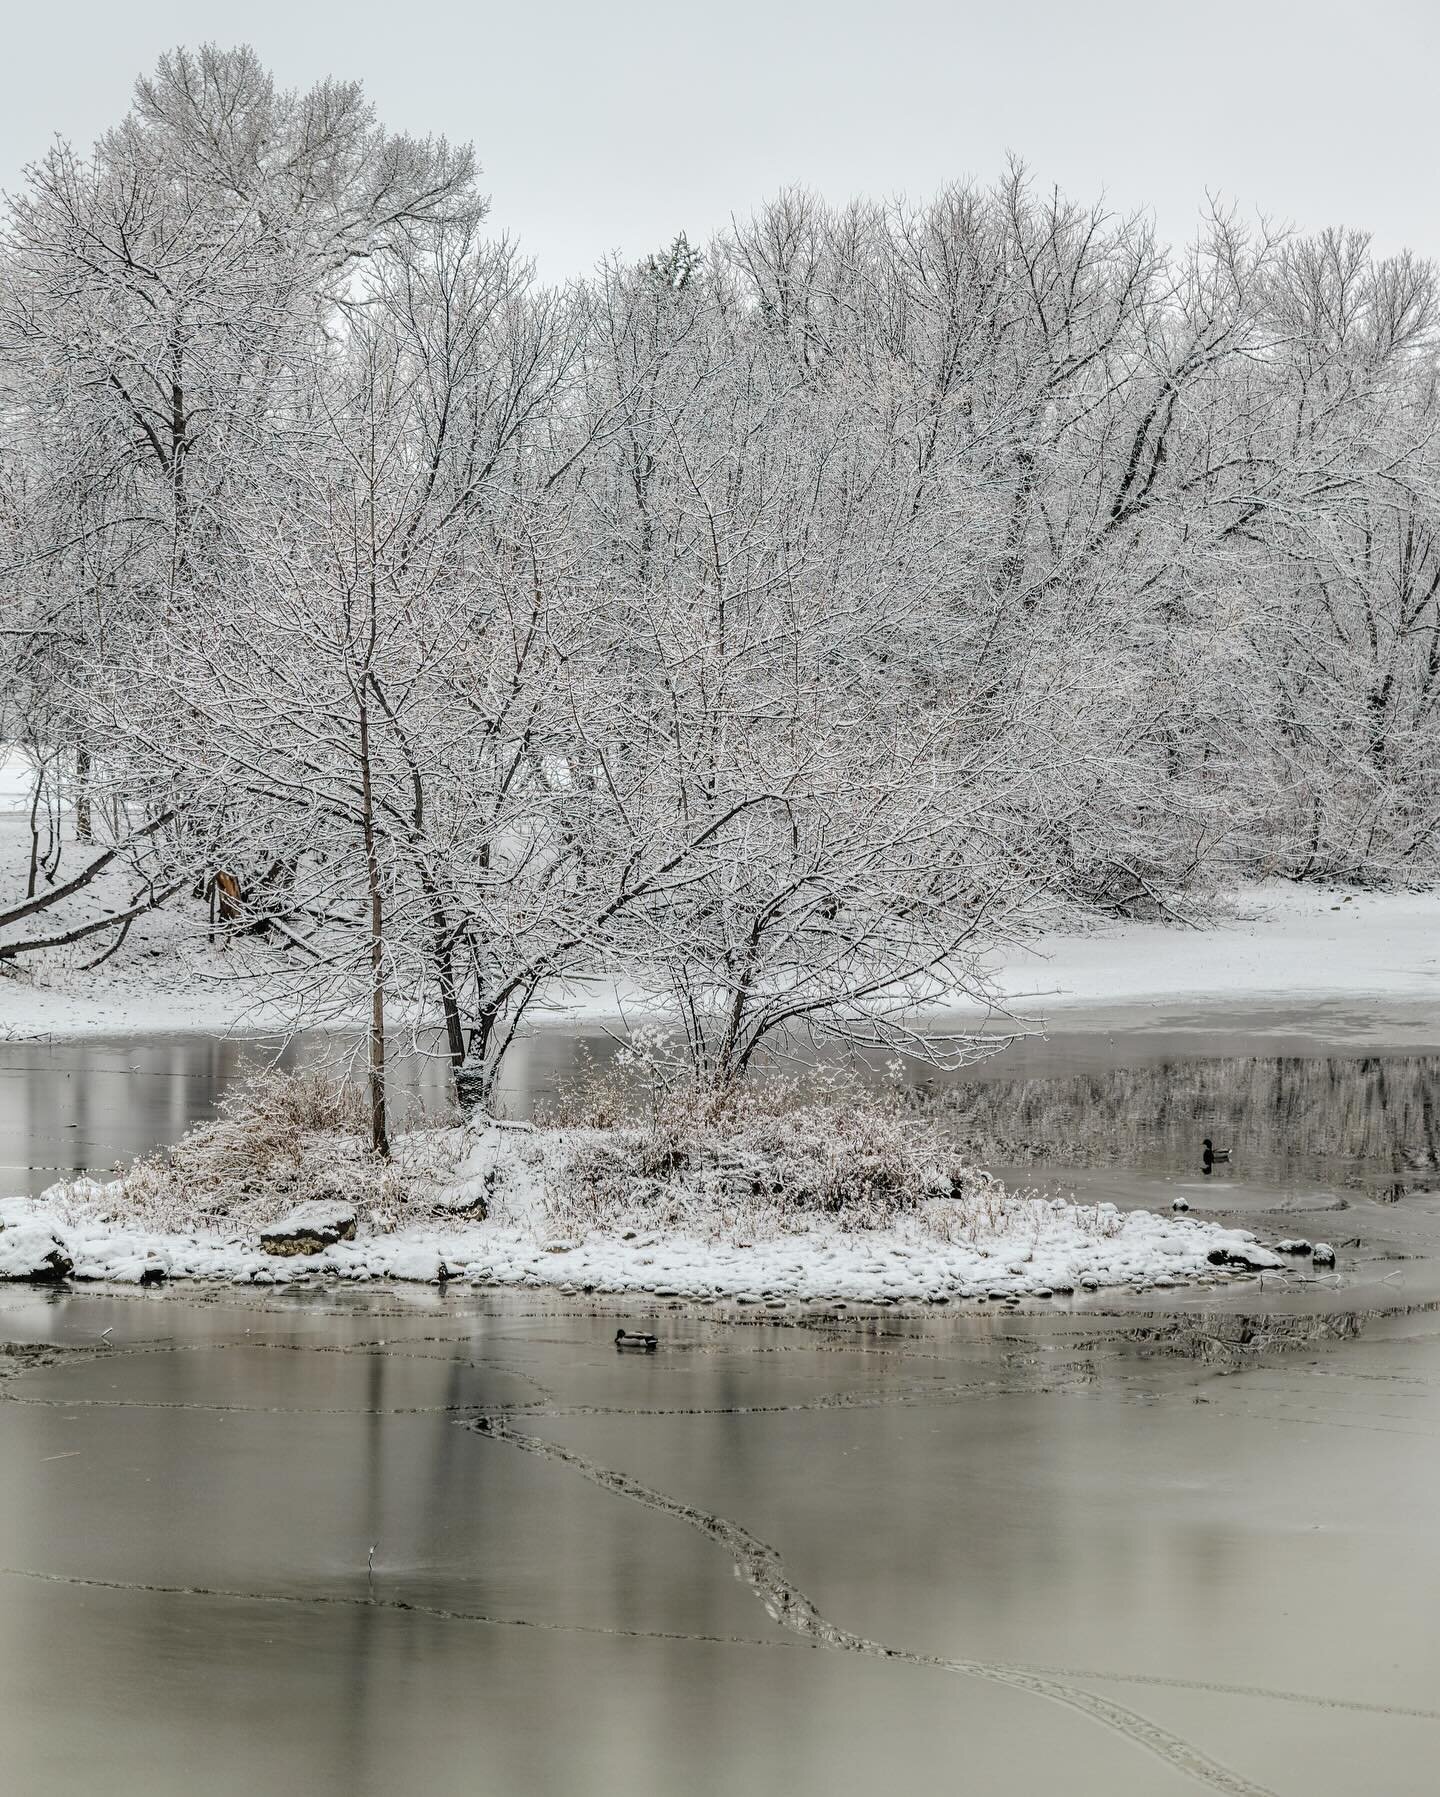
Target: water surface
1060, 1552
392, 1539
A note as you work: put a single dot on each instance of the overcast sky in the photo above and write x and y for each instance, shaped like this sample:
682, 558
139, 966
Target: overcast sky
614, 125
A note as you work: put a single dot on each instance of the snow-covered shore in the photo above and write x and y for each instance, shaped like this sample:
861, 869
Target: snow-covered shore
1055, 1251
1278, 942
185, 991
1008, 1246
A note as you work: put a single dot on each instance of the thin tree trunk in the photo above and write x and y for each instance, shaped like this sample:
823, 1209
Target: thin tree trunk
35, 832
444, 956
83, 830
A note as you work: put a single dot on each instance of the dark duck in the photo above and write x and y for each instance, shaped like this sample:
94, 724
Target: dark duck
627, 1338
1211, 1156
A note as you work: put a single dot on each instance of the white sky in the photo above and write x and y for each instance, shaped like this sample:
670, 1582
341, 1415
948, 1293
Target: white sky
607, 124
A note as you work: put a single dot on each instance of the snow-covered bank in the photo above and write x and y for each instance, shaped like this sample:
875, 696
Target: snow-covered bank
1272, 943
988, 1246
17, 779
165, 979
189, 995
1263, 944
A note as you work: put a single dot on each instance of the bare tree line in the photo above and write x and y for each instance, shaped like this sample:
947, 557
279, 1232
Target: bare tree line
772, 625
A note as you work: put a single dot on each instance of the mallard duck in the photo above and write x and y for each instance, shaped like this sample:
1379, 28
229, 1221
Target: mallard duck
1211, 1155
625, 1338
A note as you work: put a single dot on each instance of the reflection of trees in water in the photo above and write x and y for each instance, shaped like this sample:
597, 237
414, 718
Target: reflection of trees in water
1325, 1117
1229, 1340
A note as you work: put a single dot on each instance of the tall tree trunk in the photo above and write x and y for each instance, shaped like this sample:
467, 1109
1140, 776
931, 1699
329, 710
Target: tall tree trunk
443, 954
379, 1133
454, 1030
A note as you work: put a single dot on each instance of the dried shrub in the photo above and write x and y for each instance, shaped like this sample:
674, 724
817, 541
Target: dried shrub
281, 1139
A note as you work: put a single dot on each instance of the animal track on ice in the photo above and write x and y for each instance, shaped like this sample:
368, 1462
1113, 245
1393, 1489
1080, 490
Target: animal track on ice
333, 1600
762, 1568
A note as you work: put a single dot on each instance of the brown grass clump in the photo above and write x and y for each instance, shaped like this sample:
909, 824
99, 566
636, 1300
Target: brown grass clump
281, 1139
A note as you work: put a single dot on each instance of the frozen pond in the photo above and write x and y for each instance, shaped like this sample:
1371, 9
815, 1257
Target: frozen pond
1102, 1549
1107, 1567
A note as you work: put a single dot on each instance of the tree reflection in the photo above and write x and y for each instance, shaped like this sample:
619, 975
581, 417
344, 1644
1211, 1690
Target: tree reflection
1334, 1119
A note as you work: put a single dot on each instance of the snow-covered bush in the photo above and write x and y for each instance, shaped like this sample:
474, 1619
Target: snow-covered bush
767, 1155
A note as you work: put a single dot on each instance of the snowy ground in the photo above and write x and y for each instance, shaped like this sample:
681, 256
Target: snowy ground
16, 779
166, 978
1272, 943
1027, 1246
167, 983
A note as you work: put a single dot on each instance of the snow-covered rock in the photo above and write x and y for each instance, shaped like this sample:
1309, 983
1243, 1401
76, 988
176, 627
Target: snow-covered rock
469, 1199
310, 1227
1323, 1255
1295, 1245
33, 1251
1244, 1252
